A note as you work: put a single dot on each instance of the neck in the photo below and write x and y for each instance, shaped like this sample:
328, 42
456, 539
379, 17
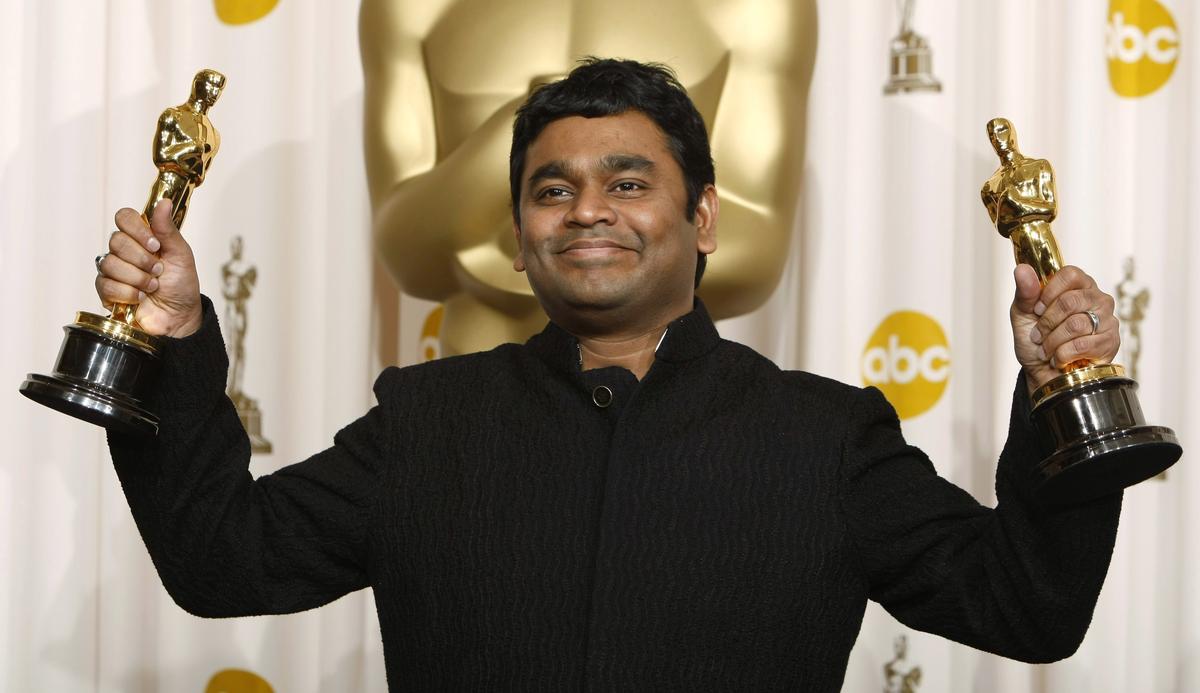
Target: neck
627, 336
633, 352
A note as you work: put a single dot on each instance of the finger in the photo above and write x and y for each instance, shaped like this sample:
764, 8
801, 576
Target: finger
1028, 288
1097, 348
1069, 278
164, 229
118, 269
1075, 302
1075, 325
112, 291
127, 248
132, 223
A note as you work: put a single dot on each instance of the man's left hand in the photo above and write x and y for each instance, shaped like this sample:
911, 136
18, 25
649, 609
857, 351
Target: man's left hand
1051, 325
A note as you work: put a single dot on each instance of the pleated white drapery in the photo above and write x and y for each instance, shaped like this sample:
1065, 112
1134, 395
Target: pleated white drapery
892, 252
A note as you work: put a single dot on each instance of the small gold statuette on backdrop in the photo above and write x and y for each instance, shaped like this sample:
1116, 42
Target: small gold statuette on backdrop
1089, 415
106, 365
911, 61
237, 283
1132, 301
898, 676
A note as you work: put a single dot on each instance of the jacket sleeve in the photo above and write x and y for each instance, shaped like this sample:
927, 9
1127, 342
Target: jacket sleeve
224, 543
1020, 580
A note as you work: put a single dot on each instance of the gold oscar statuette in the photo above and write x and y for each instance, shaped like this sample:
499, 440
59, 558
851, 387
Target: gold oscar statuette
237, 282
106, 365
1089, 416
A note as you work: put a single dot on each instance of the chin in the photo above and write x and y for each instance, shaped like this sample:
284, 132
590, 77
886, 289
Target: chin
575, 301
593, 300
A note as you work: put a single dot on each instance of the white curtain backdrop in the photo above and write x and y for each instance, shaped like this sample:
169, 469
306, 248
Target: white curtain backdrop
890, 221
82, 607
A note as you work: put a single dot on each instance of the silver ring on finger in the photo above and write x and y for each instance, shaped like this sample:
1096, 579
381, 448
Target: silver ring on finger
99, 259
1095, 320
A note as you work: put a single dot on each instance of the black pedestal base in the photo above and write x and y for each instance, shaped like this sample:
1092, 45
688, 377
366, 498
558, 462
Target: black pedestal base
100, 379
1101, 442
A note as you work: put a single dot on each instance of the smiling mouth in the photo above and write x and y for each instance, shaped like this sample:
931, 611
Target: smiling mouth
592, 245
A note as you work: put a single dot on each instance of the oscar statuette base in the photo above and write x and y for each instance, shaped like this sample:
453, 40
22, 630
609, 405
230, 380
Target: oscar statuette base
1102, 444
102, 375
248, 412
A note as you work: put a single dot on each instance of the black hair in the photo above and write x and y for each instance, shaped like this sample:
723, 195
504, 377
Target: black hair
606, 87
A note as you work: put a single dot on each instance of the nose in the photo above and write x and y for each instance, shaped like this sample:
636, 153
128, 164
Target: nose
591, 207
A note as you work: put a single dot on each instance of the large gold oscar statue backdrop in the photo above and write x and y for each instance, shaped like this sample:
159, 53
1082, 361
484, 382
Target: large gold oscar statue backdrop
443, 79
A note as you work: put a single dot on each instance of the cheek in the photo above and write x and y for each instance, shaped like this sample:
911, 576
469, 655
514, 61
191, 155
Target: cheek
535, 233
663, 231
641, 219
656, 224
540, 245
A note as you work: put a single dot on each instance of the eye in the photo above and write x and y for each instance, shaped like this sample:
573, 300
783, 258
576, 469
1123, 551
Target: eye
553, 193
628, 187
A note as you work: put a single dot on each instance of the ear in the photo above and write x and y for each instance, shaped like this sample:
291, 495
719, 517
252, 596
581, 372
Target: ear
519, 258
708, 208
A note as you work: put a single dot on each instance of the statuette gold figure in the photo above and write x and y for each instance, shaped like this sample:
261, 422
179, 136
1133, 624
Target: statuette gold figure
1133, 299
106, 365
237, 283
898, 675
185, 143
1089, 416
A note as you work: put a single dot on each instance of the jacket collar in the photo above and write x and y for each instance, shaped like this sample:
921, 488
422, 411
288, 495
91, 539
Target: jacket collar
688, 337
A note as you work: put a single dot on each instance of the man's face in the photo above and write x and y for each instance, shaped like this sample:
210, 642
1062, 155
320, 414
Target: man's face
603, 221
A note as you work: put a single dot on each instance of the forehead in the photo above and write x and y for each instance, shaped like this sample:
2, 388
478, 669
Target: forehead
585, 141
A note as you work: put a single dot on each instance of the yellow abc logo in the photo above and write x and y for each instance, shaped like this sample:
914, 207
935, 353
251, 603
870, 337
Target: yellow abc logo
431, 333
908, 359
1142, 45
237, 681
243, 11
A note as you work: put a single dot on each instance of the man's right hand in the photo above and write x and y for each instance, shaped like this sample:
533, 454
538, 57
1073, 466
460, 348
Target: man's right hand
153, 267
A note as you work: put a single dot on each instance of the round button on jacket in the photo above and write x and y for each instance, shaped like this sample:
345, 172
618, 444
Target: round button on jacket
602, 396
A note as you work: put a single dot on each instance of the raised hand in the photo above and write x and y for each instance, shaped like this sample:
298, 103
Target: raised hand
1053, 325
152, 266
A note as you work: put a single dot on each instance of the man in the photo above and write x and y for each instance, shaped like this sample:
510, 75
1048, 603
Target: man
626, 501
442, 80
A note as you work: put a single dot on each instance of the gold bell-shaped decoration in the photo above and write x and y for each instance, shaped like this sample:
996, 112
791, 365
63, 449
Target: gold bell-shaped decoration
911, 60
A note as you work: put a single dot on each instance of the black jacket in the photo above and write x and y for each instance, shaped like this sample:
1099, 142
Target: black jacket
719, 525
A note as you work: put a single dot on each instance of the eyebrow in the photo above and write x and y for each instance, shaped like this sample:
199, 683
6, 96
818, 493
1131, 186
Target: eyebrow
614, 163
610, 163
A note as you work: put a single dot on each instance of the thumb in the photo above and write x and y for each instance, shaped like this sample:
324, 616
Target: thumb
165, 231
1029, 289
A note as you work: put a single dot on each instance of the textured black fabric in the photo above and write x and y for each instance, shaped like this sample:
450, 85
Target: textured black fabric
718, 526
